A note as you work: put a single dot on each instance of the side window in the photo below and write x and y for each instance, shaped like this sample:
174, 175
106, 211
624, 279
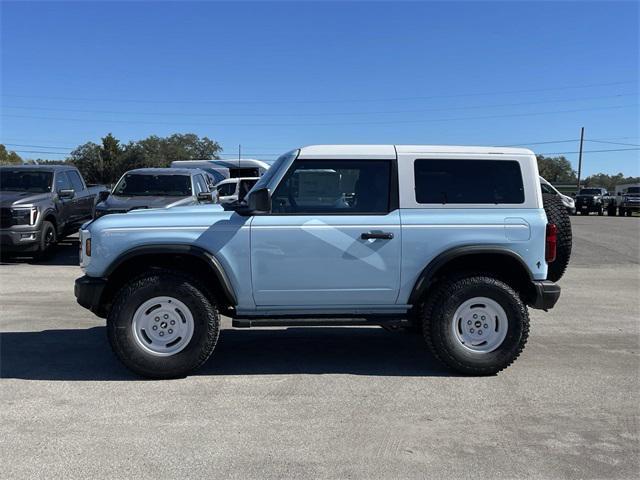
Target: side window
201, 185
227, 189
468, 181
62, 181
334, 187
545, 189
76, 181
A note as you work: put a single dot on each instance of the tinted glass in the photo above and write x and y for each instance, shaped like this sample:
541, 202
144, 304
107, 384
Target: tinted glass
244, 188
137, 184
25, 181
227, 189
76, 181
633, 190
468, 181
63, 182
201, 185
546, 189
334, 186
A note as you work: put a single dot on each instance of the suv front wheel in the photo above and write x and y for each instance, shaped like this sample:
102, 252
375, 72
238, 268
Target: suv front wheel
163, 324
475, 325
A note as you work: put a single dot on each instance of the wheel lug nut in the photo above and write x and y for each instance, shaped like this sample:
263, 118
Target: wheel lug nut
486, 326
172, 322
471, 330
155, 327
483, 317
468, 322
166, 316
479, 332
157, 319
475, 315
170, 331
162, 334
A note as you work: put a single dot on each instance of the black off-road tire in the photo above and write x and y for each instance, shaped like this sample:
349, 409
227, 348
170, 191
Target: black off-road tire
152, 284
437, 316
556, 213
621, 212
611, 210
48, 239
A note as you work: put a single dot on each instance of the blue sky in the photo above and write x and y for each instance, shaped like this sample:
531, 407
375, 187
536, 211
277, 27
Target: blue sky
273, 76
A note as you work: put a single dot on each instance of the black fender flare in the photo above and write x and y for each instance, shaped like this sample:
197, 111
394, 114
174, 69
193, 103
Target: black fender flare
426, 276
192, 250
49, 211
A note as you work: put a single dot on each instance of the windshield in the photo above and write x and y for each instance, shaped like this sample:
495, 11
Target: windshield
25, 180
138, 184
633, 190
590, 191
274, 169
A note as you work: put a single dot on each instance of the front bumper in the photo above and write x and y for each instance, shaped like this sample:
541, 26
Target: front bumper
546, 294
88, 292
19, 240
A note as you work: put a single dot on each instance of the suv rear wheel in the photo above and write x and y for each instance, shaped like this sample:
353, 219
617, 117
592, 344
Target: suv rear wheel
475, 325
163, 324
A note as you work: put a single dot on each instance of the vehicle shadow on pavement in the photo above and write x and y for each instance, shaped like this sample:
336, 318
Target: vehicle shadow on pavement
84, 354
64, 253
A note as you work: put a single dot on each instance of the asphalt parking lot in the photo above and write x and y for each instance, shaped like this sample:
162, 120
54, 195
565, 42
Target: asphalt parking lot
329, 402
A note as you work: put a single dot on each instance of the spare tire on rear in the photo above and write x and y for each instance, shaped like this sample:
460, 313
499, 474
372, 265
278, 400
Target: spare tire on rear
557, 213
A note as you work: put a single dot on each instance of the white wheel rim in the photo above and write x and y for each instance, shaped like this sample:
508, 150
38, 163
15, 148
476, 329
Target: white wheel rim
480, 325
163, 326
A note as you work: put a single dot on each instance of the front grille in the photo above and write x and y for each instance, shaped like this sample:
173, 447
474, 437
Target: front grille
6, 219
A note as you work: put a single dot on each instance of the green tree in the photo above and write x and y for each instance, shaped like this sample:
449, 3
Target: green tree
9, 157
87, 159
556, 169
608, 181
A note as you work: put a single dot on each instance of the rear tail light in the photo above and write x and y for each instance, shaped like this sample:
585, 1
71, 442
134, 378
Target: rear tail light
551, 243
87, 247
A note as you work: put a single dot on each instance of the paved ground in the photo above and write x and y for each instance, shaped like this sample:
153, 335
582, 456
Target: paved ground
329, 403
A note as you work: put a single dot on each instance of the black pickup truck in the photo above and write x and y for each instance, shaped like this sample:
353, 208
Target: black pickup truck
595, 200
39, 204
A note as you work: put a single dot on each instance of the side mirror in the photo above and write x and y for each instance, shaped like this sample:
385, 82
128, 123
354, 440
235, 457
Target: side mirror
260, 201
205, 197
103, 195
66, 193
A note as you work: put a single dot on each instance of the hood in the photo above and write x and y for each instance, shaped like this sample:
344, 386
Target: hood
14, 199
115, 202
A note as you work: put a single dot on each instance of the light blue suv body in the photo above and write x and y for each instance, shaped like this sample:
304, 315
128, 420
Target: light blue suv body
339, 232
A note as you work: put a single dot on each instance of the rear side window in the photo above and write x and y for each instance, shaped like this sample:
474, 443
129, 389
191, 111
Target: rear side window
227, 189
468, 181
62, 182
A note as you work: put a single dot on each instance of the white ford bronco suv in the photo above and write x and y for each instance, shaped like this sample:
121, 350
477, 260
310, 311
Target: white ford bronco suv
453, 242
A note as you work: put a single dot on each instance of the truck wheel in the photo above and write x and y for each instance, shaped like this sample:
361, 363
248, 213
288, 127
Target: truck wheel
611, 210
48, 239
629, 212
475, 325
600, 211
556, 213
163, 324
620, 212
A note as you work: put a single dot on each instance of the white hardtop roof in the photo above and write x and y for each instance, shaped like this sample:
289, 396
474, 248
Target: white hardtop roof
236, 180
389, 151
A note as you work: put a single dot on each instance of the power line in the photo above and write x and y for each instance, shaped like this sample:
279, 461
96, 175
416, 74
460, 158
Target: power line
589, 151
385, 122
316, 114
271, 102
614, 143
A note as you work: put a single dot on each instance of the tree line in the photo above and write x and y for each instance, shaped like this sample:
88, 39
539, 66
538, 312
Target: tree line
105, 163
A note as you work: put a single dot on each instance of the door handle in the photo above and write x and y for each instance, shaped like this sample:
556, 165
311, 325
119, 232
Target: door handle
376, 236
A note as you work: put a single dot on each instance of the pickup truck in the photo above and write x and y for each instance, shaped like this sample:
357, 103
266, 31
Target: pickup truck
39, 204
155, 188
452, 242
628, 201
595, 200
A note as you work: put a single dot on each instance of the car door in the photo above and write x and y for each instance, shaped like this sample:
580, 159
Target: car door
332, 237
65, 205
82, 202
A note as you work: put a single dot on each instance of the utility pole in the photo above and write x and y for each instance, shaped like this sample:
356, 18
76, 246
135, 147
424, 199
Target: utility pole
580, 156
239, 154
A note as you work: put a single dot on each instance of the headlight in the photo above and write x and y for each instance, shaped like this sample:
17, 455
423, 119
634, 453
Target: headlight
24, 216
